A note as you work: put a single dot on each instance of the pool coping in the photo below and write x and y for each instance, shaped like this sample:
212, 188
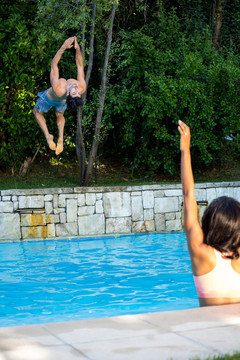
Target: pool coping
180, 334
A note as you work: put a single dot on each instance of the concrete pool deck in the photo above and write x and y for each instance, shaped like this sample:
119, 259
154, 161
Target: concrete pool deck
176, 335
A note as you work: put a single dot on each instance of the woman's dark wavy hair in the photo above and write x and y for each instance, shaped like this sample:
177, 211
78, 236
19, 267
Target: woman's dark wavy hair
74, 102
221, 225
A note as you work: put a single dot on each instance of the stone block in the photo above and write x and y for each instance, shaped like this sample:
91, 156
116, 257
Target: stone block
90, 199
55, 201
148, 214
172, 192
63, 218
91, 224
48, 207
160, 222
51, 232
31, 202
6, 207
15, 205
10, 227
136, 193
67, 229
138, 226
99, 196
173, 225
62, 200
148, 199
117, 204
6, 198
58, 210
166, 204
180, 200
137, 208
81, 199
211, 194
223, 191
71, 196
118, 225
31, 232
53, 218
170, 216
48, 197
99, 207
150, 225
86, 210
235, 193
33, 219
200, 194
14, 198
178, 215
71, 210
158, 193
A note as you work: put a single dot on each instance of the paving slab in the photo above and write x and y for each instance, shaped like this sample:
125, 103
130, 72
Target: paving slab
192, 319
148, 347
177, 335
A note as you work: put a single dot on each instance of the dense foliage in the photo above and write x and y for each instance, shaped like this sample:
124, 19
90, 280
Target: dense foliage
163, 66
168, 75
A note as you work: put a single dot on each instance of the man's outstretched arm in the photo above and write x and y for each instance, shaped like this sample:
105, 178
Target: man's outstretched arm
54, 74
80, 68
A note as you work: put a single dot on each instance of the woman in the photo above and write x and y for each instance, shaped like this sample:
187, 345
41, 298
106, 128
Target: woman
215, 248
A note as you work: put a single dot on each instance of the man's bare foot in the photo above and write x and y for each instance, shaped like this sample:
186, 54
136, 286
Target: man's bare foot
51, 143
59, 148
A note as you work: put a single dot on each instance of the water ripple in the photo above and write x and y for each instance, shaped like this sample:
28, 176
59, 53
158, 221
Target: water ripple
47, 281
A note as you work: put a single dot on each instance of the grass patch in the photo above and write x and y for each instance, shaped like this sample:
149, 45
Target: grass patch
235, 356
52, 174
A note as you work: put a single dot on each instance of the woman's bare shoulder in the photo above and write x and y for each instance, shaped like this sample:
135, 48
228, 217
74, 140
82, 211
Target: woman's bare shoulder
202, 255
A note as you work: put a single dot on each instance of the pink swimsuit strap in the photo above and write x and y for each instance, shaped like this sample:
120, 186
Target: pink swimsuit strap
222, 281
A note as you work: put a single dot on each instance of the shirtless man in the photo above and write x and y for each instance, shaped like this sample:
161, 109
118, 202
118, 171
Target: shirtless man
62, 94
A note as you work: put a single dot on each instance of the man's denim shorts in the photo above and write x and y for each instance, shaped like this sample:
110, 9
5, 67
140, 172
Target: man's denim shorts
44, 104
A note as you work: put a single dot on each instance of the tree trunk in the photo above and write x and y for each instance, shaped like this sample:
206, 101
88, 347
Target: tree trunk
80, 146
90, 62
96, 138
159, 6
218, 21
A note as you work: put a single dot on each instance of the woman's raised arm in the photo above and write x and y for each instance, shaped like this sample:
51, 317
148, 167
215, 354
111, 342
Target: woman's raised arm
191, 223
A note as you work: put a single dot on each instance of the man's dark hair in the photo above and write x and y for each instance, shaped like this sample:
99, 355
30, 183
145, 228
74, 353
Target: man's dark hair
74, 102
221, 225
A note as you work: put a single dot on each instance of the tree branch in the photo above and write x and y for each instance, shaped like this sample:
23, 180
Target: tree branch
96, 138
90, 61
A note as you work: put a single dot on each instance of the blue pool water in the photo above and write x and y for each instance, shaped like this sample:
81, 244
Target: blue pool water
62, 280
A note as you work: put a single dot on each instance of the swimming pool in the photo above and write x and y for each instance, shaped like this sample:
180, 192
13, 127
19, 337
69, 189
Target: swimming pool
62, 280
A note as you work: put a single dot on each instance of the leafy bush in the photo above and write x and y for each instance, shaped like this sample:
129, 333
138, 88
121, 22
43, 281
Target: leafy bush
20, 62
165, 75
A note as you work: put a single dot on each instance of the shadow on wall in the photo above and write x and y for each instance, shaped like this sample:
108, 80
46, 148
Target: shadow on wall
202, 205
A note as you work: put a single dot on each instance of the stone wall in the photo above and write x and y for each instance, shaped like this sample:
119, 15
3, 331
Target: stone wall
71, 212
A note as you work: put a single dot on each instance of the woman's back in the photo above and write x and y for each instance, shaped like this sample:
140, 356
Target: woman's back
222, 284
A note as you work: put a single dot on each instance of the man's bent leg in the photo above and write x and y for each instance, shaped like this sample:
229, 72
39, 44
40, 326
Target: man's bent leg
60, 125
42, 123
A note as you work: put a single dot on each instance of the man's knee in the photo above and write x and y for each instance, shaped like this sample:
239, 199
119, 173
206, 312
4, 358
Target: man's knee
60, 117
36, 112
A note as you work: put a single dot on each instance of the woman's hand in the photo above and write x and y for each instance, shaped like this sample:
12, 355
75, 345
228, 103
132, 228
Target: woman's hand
185, 136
